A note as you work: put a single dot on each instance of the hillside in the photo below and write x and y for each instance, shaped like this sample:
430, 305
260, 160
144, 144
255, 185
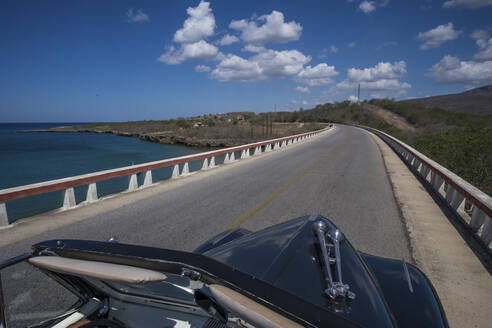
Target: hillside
462, 142
474, 101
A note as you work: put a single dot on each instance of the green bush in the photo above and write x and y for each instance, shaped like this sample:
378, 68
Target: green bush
182, 123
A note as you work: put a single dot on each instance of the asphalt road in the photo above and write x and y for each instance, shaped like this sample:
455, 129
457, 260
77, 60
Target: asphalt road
341, 175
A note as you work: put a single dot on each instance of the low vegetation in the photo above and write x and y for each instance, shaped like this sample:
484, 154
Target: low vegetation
459, 141
220, 130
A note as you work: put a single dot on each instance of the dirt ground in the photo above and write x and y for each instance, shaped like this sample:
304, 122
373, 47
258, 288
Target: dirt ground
390, 117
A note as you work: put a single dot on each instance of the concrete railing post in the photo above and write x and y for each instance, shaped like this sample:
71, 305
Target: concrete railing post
457, 200
232, 158
91, 195
186, 170
226, 158
4, 219
205, 164
477, 219
450, 194
68, 198
436, 181
424, 171
243, 154
175, 174
257, 151
487, 231
212, 162
147, 178
132, 182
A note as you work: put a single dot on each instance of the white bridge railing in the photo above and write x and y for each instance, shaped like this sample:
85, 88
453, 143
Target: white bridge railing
90, 180
470, 203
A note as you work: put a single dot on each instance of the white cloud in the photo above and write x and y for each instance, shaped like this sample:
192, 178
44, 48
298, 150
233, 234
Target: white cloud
367, 6
235, 68
351, 44
302, 89
353, 98
137, 17
202, 68
263, 66
274, 29
437, 36
486, 50
451, 70
227, 40
484, 43
199, 25
201, 50
379, 85
382, 71
473, 4
479, 34
332, 49
380, 81
317, 75
253, 48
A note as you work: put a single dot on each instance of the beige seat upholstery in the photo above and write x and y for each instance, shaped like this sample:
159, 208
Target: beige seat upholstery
98, 270
249, 310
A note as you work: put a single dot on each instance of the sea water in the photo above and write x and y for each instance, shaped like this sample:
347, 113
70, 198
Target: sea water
27, 158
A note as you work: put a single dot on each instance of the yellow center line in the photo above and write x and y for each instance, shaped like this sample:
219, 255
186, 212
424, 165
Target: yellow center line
281, 190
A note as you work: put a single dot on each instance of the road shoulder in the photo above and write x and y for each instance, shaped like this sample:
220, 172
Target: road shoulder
463, 284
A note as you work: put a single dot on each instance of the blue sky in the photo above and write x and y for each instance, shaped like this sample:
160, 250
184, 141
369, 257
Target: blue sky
69, 61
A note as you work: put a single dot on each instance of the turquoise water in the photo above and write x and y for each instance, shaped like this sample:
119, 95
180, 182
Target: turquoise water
27, 158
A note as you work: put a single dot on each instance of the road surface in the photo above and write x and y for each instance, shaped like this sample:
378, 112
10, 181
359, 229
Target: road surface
341, 175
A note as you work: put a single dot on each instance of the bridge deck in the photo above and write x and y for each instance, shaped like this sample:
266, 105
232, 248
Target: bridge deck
341, 175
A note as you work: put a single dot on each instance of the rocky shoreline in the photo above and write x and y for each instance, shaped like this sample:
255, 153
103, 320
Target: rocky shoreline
168, 137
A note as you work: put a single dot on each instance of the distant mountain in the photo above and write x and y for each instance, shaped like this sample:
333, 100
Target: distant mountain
475, 101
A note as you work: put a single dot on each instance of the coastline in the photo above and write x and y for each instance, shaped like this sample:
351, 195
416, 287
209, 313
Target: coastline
193, 137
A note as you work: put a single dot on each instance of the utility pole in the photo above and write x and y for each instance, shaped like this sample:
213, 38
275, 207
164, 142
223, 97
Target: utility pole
274, 116
358, 94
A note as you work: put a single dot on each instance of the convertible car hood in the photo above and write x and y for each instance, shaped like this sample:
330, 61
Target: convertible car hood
287, 256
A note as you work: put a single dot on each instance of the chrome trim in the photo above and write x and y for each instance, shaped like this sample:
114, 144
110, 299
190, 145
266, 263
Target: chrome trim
319, 229
334, 289
192, 274
407, 275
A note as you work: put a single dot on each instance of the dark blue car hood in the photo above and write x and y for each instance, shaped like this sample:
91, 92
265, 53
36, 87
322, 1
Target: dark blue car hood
287, 257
